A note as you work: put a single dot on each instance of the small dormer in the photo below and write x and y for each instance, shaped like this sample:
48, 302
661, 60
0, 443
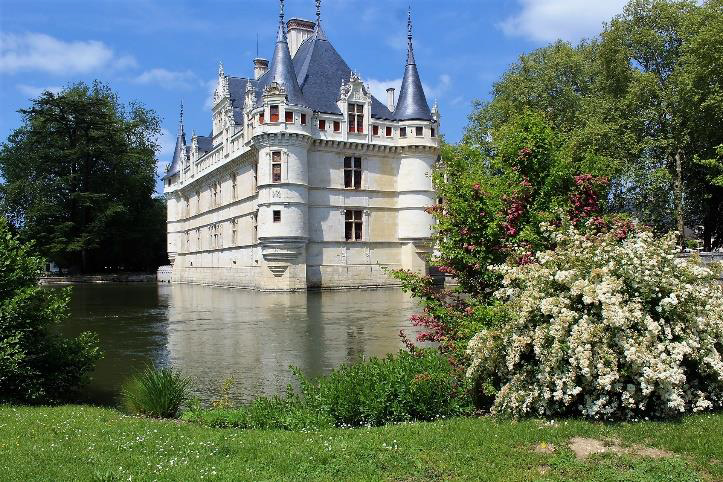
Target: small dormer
355, 104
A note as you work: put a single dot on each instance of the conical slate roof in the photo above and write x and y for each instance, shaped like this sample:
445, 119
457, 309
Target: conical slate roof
281, 70
412, 103
179, 152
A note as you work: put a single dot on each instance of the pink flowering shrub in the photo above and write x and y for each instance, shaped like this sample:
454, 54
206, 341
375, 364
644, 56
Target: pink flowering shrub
610, 324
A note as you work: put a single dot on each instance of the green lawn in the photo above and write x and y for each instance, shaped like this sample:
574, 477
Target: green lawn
88, 443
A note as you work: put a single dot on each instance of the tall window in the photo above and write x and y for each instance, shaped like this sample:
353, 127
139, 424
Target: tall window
261, 118
337, 126
353, 225
322, 124
433, 133
187, 207
198, 202
402, 132
234, 191
419, 131
256, 176
276, 166
303, 119
375, 130
211, 239
198, 239
216, 197
274, 113
289, 116
352, 172
234, 231
356, 118
277, 216
255, 228
388, 131
188, 244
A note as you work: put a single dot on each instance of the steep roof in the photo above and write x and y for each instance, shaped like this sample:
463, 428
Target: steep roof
237, 91
180, 151
281, 71
320, 71
412, 103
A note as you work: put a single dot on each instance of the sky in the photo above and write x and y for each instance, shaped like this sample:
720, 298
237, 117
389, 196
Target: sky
162, 52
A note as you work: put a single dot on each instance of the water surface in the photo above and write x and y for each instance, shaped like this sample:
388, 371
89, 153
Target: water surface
212, 334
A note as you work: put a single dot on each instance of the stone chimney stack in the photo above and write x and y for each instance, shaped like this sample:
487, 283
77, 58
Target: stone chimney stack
390, 98
260, 67
298, 30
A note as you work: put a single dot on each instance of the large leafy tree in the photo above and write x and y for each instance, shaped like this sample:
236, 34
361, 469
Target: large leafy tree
642, 103
79, 178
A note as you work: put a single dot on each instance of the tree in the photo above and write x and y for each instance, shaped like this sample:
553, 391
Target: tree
79, 176
640, 103
36, 365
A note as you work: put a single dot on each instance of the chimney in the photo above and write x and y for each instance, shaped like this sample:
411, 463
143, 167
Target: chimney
298, 30
260, 67
390, 98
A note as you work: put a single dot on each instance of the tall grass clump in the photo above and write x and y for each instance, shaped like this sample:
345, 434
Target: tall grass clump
155, 392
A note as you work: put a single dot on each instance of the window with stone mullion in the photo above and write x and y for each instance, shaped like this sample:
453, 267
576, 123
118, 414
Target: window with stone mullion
352, 172
356, 118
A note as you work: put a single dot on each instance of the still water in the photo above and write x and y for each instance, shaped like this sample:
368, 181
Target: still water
212, 334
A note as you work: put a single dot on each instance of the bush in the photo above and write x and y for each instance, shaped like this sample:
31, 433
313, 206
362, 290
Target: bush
399, 388
36, 365
608, 325
156, 393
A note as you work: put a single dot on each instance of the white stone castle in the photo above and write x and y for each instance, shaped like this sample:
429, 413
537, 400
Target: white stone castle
306, 180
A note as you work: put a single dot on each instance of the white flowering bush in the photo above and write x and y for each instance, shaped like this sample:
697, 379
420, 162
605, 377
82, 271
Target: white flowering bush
604, 328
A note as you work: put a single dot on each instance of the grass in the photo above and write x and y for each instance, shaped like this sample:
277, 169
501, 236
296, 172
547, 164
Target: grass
88, 443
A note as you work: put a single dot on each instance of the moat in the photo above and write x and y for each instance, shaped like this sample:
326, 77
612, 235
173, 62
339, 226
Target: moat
212, 334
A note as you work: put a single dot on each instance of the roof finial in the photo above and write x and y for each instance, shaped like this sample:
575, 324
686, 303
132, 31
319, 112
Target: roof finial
281, 12
410, 49
281, 36
220, 68
180, 121
318, 12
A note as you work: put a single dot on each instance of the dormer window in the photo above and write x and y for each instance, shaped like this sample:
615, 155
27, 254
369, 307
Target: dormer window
419, 131
274, 113
289, 117
356, 118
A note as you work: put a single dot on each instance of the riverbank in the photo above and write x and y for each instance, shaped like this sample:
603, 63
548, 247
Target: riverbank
101, 278
88, 443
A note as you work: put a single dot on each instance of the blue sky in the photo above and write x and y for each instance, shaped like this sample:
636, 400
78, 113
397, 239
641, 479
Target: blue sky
161, 51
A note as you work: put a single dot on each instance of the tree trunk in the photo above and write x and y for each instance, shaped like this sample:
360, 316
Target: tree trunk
679, 198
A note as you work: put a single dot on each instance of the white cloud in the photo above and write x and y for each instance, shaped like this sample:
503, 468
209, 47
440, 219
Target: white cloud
210, 89
166, 146
168, 79
33, 91
432, 92
549, 20
41, 52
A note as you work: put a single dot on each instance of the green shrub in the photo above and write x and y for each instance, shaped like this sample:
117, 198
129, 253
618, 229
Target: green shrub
156, 393
36, 364
399, 388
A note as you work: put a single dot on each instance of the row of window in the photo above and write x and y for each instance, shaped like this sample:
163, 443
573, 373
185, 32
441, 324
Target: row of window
352, 180
355, 122
353, 229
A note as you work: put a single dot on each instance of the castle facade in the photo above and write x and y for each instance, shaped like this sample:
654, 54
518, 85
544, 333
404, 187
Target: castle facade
306, 180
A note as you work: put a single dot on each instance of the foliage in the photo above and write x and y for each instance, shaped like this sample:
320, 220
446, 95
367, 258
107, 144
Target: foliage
608, 325
36, 365
79, 175
493, 205
399, 388
626, 103
90, 443
156, 392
